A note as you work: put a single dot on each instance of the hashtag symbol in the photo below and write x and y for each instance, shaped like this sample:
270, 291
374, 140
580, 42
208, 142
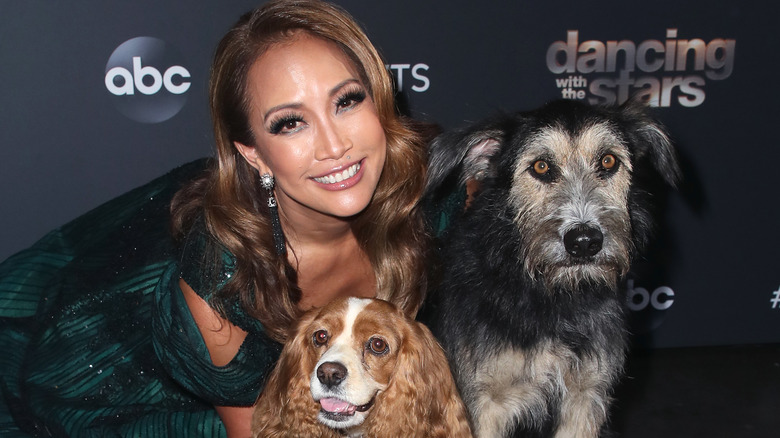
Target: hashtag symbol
775, 300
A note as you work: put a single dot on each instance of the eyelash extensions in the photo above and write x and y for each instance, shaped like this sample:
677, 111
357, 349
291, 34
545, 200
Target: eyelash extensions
288, 122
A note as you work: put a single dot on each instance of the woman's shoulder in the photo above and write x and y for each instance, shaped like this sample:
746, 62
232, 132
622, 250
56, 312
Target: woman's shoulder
207, 266
184, 353
204, 263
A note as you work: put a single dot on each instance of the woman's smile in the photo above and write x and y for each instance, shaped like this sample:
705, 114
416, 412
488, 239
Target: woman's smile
341, 178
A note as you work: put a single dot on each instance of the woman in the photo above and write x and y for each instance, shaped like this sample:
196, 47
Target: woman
111, 329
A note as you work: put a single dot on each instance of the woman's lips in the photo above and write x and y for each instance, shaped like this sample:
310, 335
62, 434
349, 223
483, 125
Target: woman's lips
342, 179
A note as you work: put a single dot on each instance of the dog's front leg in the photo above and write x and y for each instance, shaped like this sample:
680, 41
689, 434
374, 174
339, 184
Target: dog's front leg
586, 400
511, 389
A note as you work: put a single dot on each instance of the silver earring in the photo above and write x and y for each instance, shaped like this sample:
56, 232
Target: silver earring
267, 182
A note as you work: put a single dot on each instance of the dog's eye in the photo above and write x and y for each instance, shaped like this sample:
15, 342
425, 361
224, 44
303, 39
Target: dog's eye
320, 338
543, 171
541, 167
378, 346
609, 162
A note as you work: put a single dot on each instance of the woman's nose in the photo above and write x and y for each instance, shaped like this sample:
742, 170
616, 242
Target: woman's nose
333, 142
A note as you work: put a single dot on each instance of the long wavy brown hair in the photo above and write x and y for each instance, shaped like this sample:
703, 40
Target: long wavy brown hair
233, 206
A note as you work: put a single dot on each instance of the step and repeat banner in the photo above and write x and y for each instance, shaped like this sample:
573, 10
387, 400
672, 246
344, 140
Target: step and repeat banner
99, 97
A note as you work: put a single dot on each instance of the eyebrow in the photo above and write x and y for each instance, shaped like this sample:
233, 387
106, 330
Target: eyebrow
296, 105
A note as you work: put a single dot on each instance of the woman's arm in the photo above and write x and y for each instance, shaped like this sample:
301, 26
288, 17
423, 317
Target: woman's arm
223, 339
237, 420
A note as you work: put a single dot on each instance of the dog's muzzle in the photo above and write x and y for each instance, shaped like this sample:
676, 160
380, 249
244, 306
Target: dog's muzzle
331, 374
583, 241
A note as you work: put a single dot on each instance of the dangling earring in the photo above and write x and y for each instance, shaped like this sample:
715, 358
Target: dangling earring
267, 182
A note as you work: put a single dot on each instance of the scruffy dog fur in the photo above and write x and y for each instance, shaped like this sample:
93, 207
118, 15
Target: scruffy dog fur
528, 309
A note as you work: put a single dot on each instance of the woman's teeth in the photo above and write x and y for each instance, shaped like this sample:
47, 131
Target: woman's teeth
339, 176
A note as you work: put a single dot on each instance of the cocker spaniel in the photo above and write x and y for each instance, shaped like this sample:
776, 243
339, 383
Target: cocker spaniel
359, 367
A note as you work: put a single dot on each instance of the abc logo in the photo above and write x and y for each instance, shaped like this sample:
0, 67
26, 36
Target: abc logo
648, 308
146, 80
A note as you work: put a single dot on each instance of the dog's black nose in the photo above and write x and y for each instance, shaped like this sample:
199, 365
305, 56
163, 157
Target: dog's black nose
331, 374
583, 241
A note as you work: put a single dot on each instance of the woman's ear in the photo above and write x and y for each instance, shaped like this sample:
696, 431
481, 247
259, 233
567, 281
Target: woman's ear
252, 156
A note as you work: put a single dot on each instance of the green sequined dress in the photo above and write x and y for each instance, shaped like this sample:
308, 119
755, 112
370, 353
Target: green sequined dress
95, 336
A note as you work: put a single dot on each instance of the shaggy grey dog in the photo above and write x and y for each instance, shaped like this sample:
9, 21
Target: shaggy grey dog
528, 308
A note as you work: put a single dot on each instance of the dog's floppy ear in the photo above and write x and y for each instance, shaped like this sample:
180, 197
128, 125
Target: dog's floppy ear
649, 140
423, 389
286, 398
463, 154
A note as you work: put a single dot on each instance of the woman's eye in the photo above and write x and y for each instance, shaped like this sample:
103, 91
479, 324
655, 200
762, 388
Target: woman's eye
290, 124
320, 337
286, 124
350, 99
377, 346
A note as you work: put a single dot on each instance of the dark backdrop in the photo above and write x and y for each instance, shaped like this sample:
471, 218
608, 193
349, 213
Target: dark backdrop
68, 143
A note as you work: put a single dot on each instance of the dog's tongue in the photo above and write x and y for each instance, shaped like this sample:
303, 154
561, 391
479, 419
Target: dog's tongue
337, 406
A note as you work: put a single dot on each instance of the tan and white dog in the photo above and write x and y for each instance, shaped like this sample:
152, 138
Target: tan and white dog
360, 367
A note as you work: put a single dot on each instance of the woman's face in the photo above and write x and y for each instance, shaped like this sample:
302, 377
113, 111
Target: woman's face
316, 129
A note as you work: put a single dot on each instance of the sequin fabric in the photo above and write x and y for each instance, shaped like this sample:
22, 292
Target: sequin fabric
96, 338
